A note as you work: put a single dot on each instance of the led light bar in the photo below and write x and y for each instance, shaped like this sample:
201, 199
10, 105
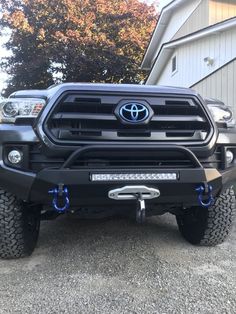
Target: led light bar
172, 176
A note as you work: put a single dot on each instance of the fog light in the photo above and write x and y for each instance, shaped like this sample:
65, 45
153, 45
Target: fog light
229, 156
15, 156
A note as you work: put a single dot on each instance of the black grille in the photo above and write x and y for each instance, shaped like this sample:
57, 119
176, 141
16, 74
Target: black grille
86, 118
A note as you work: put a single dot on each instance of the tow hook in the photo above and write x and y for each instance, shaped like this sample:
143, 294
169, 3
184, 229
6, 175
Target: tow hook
139, 193
60, 192
141, 209
205, 190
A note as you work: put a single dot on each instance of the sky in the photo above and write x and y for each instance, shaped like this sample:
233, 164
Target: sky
163, 3
4, 52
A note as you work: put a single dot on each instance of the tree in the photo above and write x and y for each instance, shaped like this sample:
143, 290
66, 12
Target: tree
83, 40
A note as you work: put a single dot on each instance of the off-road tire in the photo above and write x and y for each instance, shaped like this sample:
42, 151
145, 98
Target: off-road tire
209, 226
19, 226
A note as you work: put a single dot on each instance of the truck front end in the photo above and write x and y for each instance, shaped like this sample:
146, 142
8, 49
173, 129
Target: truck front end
100, 149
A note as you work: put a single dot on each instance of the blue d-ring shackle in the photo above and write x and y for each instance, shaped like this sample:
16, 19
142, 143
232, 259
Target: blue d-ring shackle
58, 192
201, 191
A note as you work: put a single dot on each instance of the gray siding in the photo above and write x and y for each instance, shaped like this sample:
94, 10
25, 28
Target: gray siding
220, 10
199, 19
191, 67
220, 85
208, 12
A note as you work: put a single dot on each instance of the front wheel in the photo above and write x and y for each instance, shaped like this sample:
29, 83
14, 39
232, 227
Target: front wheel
209, 226
19, 226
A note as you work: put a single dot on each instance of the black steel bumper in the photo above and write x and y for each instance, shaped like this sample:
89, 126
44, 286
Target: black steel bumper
85, 192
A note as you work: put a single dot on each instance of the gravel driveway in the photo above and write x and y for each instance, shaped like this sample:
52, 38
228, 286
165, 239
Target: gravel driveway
115, 266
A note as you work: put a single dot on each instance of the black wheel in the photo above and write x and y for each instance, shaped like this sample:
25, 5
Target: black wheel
209, 226
19, 226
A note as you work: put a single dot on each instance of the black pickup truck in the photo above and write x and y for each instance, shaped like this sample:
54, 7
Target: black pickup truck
93, 150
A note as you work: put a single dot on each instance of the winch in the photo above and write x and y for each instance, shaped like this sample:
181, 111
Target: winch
140, 193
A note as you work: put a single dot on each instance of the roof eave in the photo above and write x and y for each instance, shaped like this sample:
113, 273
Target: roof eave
161, 25
168, 48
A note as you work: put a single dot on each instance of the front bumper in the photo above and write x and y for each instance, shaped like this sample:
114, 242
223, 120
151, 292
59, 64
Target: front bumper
83, 191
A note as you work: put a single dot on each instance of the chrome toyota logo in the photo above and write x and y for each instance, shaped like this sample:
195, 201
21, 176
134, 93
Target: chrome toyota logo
134, 112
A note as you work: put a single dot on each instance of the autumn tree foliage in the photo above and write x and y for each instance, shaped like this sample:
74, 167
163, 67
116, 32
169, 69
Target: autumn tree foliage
81, 40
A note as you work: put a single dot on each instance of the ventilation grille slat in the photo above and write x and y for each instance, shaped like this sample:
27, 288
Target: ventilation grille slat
92, 118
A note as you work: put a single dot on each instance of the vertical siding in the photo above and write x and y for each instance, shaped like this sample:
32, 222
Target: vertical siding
191, 67
199, 19
208, 12
175, 22
220, 85
220, 10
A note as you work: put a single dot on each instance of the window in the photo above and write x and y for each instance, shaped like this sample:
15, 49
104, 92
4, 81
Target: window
174, 65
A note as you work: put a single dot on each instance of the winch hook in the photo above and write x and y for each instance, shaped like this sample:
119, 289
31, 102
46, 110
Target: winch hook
141, 209
60, 191
205, 189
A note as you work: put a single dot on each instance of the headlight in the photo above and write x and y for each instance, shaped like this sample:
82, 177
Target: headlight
222, 114
19, 108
